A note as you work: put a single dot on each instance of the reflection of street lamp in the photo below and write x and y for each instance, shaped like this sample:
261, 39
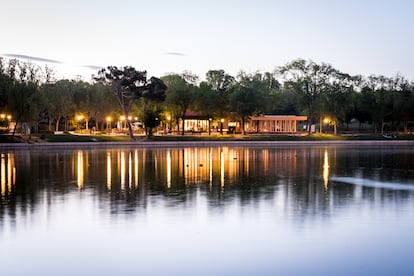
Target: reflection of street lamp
221, 126
108, 123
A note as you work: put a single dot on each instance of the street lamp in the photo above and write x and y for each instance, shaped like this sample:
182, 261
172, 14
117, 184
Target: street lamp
79, 118
122, 118
108, 123
169, 123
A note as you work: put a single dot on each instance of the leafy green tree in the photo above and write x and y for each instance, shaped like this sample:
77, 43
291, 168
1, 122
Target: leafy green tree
152, 97
248, 97
101, 104
221, 83
180, 94
128, 85
377, 91
337, 97
308, 79
22, 96
206, 103
57, 100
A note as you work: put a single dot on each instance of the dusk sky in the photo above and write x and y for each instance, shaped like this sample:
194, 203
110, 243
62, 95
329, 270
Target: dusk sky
356, 36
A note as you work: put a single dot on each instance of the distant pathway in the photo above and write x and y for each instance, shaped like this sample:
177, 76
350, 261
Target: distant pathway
155, 144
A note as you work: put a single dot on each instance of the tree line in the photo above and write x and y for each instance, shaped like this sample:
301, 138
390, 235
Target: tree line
33, 96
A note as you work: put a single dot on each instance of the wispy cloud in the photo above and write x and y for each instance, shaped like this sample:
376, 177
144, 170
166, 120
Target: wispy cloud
19, 56
93, 67
175, 54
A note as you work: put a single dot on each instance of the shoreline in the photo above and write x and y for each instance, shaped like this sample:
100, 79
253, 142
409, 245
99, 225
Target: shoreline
165, 144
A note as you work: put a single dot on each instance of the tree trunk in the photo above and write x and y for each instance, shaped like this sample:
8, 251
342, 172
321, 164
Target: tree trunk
209, 128
182, 127
335, 128
131, 134
243, 130
310, 126
57, 123
49, 128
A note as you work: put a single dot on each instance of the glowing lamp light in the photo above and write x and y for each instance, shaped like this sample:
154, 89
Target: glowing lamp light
326, 120
122, 118
108, 119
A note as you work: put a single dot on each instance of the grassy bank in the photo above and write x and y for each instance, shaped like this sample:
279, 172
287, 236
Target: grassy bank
51, 138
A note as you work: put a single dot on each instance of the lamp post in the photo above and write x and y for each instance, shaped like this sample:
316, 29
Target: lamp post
8, 121
169, 123
209, 126
326, 120
79, 118
108, 124
122, 118
221, 126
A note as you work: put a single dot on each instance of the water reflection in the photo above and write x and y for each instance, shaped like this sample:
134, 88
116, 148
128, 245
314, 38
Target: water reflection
296, 177
295, 211
325, 169
7, 174
80, 170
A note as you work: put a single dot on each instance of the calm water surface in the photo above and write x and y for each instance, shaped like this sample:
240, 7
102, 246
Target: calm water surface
207, 211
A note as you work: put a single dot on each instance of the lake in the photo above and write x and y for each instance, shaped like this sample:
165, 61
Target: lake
304, 210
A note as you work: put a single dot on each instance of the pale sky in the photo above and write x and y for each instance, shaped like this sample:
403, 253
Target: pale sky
162, 36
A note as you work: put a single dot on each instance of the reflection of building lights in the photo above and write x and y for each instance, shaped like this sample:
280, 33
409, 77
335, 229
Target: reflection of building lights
169, 169
3, 174
123, 170
325, 170
222, 169
108, 171
136, 168
80, 170
9, 173
130, 169
210, 157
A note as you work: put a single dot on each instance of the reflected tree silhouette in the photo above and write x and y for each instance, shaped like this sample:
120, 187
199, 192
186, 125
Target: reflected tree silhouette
290, 177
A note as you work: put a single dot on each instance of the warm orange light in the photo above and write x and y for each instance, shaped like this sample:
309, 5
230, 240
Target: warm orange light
80, 117
108, 119
122, 118
9, 117
3, 116
169, 118
326, 120
222, 120
129, 118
